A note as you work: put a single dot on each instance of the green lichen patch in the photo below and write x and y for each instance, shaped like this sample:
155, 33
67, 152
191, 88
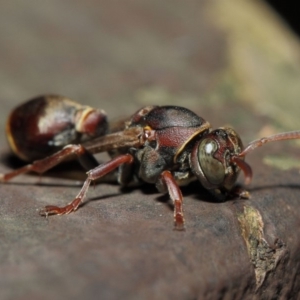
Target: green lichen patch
263, 256
281, 162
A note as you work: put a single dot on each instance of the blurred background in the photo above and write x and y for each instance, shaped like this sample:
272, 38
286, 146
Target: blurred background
232, 62
212, 57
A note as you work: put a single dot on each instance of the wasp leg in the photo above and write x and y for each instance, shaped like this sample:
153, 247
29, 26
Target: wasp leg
238, 191
176, 196
40, 166
93, 174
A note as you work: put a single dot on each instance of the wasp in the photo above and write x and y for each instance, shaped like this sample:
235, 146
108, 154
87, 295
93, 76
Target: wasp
168, 146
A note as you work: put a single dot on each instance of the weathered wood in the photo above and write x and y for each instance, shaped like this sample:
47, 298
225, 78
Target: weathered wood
230, 62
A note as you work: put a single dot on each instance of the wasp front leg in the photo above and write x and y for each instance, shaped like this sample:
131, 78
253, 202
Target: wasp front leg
93, 174
175, 194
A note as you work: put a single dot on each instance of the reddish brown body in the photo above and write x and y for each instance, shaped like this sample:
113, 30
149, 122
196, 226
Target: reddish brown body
168, 146
45, 124
167, 132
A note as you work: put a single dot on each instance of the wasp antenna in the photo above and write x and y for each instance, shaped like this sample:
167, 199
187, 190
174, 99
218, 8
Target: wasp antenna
291, 135
244, 167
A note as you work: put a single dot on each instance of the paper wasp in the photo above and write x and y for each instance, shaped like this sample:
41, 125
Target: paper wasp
168, 146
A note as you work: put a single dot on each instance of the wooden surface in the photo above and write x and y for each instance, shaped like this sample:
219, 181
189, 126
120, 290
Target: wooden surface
231, 62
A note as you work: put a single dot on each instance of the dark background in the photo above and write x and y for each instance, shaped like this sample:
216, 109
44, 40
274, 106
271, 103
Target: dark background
289, 10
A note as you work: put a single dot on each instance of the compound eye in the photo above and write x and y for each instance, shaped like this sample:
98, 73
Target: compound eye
212, 169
